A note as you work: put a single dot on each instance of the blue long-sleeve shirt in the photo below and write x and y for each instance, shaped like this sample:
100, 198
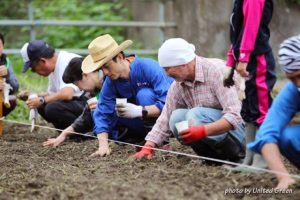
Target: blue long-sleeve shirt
284, 107
144, 73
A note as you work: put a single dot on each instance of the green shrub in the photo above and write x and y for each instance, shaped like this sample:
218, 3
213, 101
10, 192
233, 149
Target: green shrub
72, 37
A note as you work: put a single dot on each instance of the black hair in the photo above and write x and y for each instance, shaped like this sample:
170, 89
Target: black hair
2, 38
48, 53
115, 58
73, 71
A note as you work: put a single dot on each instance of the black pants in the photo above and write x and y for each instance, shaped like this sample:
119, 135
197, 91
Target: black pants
227, 149
13, 104
258, 88
62, 113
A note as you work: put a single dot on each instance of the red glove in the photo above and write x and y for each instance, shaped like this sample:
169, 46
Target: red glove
147, 150
192, 134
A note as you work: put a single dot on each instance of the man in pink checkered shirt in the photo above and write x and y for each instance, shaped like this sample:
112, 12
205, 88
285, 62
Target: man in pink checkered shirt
198, 96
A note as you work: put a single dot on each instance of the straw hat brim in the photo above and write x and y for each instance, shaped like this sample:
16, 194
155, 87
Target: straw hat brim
88, 65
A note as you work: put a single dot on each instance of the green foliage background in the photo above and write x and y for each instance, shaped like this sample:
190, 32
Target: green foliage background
72, 37
296, 1
61, 36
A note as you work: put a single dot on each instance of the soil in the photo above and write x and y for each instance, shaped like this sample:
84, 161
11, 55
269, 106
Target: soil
30, 171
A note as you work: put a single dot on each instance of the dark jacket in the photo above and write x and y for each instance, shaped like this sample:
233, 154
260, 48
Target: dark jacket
249, 31
10, 77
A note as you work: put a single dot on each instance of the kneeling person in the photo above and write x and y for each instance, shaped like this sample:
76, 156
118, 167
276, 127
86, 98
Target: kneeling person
61, 104
215, 126
91, 83
140, 80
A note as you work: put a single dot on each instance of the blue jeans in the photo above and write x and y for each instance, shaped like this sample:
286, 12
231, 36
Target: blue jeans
229, 145
289, 144
137, 126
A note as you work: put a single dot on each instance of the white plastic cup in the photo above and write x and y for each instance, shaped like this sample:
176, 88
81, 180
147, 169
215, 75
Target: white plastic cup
32, 96
92, 100
181, 126
121, 100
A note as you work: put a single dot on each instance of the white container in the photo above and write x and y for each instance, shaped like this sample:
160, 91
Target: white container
181, 126
121, 100
92, 100
33, 113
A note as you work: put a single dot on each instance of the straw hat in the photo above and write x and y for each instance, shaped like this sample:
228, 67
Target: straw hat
101, 50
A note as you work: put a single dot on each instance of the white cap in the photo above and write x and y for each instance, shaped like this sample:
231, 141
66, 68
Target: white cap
24, 52
175, 51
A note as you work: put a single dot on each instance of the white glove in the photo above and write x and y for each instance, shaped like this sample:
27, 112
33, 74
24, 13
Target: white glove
242, 88
7, 88
129, 110
227, 72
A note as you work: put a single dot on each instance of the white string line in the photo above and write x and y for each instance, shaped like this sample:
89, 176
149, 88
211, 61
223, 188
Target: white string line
166, 151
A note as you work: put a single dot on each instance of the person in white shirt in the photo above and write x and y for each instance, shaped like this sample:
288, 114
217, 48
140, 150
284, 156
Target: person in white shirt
61, 104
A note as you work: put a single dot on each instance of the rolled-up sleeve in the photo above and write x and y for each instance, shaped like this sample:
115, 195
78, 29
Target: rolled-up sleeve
285, 105
228, 98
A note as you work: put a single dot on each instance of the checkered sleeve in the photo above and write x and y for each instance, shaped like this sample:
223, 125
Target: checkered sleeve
228, 98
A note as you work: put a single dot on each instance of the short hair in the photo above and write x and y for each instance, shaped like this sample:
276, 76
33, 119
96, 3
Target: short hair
115, 58
2, 38
48, 53
73, 71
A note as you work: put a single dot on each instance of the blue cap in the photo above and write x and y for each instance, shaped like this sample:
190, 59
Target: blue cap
32, 51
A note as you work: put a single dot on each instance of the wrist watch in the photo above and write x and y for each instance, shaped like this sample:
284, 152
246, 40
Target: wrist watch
42, 100
144, 112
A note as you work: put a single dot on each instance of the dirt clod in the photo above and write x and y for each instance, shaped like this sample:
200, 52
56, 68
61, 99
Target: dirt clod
29, 171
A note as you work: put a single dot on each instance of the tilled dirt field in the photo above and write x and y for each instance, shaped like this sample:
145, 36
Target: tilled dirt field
29, 171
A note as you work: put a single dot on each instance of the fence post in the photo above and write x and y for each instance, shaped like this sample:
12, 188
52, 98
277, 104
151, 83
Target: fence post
31, 18
162, 19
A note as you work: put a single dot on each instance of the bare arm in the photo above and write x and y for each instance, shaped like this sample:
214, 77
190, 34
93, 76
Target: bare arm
65, 93
59, 139
153, 111
103, 145
218, 127
271, 154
